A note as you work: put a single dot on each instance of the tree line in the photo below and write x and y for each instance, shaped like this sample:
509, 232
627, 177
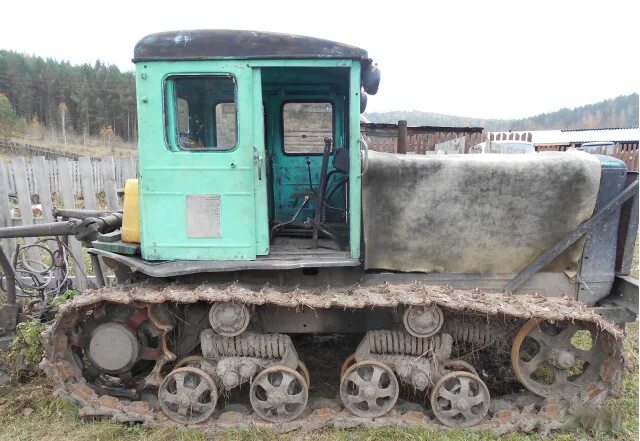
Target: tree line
616, 112
49, 98
55, 98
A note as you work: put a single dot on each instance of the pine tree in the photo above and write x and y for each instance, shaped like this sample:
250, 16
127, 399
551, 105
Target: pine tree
9, 122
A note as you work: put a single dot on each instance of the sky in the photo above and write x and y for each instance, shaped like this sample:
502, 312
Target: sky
487, 59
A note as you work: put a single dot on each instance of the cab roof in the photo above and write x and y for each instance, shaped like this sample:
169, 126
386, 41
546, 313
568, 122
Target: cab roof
204, 44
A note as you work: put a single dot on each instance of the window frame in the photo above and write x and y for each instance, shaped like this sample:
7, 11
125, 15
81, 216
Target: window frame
330, 101
170, 111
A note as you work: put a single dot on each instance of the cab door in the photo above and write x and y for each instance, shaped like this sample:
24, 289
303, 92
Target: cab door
199, 166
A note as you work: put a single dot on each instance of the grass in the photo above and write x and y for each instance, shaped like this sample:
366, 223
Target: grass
31, 413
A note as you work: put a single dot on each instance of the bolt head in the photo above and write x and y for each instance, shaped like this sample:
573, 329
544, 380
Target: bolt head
462, 404
566, 359
230, 380
369, 392
562, 358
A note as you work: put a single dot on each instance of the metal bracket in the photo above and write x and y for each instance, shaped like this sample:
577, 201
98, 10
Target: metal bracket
624, 294
257, 157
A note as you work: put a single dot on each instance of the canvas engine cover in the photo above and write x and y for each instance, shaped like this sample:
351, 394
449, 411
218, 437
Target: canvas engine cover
490, 213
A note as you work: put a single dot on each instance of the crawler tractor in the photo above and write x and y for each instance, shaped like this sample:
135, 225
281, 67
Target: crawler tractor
263, 236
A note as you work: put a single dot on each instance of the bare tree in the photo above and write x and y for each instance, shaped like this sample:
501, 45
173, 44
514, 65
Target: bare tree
62, 110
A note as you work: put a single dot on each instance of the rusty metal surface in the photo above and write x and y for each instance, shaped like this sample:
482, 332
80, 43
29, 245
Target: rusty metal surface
60, 365
190, 267
624, 294
305, 320
79, 213
597, 266
587, 371
351, 297
210, 44
86, 229
63, 228
627, 230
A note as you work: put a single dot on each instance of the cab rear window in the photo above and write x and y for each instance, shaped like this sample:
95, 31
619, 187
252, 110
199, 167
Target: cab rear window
305, 125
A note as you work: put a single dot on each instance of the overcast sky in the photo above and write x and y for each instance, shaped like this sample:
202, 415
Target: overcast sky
502, 59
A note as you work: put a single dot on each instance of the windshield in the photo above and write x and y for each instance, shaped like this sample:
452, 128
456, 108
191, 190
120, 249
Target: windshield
511, 147
604, 148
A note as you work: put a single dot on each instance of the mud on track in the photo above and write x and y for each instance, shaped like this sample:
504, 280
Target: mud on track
517, 411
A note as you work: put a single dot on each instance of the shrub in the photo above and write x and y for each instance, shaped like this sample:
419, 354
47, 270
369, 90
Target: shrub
28, 341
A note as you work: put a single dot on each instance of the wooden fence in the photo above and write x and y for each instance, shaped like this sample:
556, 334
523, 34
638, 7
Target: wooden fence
384, 137
28, 190
124, 168
626, 152
11, 148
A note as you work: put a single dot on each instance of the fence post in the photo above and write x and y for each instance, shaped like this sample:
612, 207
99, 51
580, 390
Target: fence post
68, 199
5, 209
24, 201
402, 137
86, 181
109, 181
41, 177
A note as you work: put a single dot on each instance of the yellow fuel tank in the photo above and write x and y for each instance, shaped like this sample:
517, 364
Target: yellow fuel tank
131, 217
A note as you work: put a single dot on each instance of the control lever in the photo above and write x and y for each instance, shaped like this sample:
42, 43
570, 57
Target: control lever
321, 190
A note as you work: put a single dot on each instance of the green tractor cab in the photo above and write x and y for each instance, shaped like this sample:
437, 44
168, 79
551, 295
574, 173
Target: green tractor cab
249, 148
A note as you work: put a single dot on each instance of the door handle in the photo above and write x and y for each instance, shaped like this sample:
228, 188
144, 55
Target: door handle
258, 159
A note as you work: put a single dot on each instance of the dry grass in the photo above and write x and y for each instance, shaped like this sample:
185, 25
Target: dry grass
94, 147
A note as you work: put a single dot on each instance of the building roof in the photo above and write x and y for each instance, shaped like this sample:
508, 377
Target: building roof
579, 136
204, 44
420, 129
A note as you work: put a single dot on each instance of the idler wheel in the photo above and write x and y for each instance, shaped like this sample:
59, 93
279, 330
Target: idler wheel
125, 341
279, 394
113, 348
369, 389
188, 395
565, 359
460, 399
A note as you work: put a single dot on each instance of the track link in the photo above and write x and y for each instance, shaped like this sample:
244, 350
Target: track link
61, 364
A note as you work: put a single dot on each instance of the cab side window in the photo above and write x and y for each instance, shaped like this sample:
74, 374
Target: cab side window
204, 113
